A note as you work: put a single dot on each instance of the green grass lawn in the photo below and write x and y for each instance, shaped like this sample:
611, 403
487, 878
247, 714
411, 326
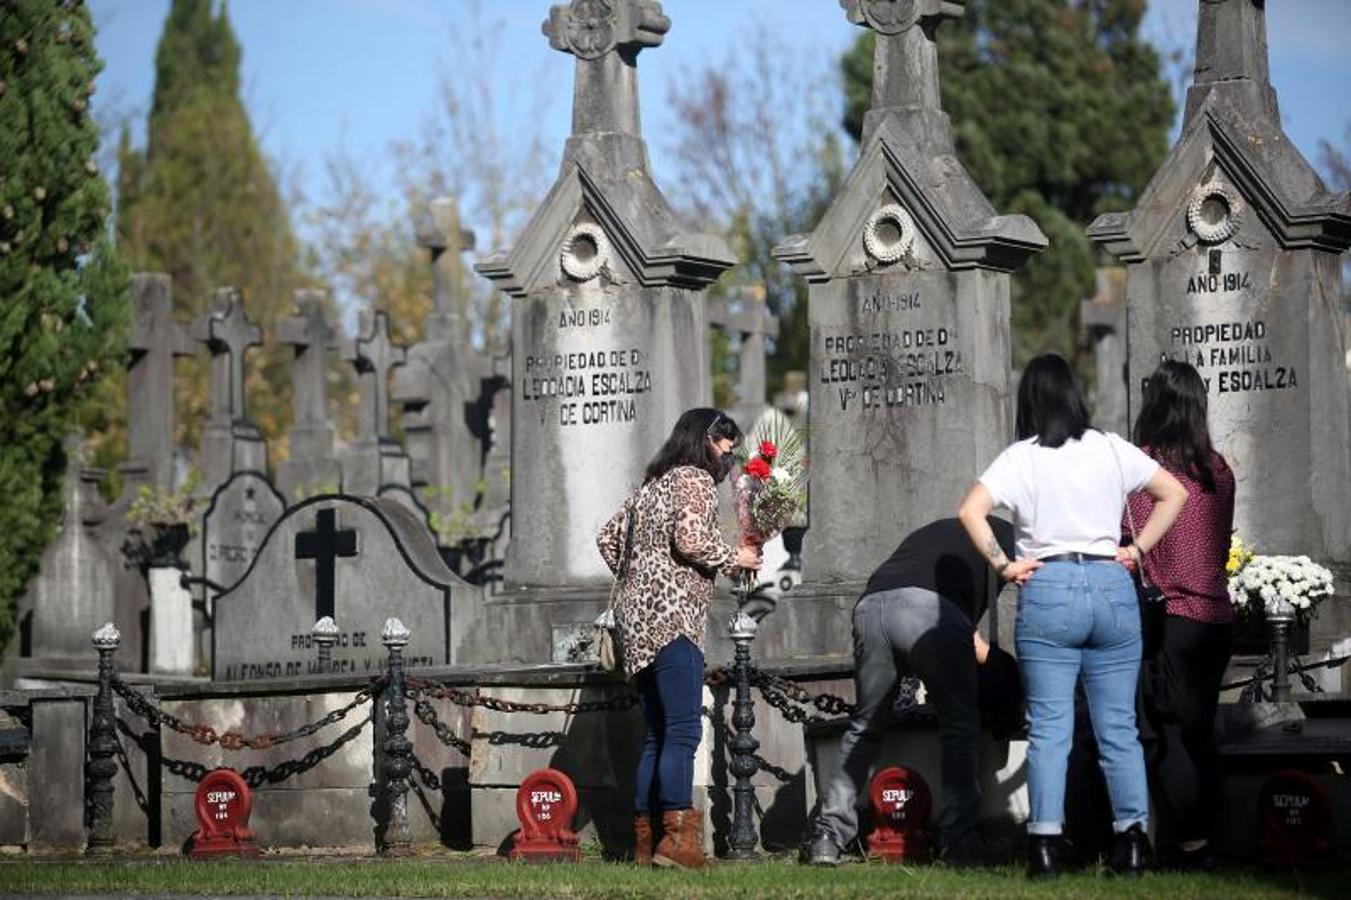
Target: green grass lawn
453, 875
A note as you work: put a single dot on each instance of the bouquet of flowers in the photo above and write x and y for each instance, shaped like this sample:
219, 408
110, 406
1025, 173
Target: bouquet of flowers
1276, 586
772, 488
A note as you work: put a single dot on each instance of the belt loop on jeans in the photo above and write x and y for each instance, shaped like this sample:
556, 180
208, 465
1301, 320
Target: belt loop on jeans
1076, 558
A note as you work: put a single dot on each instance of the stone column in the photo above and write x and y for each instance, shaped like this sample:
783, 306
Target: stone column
1102, 319
1233, 266
752, 322
312, 465
909, 372
609, 323
230, 442
441, 389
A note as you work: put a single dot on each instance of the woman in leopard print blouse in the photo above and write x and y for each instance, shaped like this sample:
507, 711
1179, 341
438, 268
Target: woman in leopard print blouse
666, 585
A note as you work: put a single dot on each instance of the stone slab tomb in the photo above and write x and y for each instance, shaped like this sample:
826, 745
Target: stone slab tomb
1233, 260
909, 370
357, 559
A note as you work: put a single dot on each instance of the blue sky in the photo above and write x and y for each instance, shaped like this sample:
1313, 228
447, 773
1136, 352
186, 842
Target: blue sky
321, 76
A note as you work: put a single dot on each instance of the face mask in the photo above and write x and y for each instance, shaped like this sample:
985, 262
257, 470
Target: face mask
727, 461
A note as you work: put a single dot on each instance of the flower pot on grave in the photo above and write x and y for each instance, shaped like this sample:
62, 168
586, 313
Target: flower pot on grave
167, 542
1252, 637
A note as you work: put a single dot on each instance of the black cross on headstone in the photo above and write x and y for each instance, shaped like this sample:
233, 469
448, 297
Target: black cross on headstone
374, 354
325, 544
228, 333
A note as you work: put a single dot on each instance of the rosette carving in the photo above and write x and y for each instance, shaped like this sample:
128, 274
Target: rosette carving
889, 233
1215, 212
585, 251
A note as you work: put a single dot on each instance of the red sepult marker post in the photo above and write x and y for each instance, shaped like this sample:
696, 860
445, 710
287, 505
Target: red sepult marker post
223, 804
902, 805
546, 803
1296, 817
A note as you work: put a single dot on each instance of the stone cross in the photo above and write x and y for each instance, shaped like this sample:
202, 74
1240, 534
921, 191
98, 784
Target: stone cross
326, 544
439, 232
312, 337
754, 323
228, 333
606, 36
1231, 53
374, 354
905, 63
156, 339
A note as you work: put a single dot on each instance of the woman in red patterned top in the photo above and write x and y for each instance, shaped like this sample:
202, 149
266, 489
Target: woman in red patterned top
1184, 672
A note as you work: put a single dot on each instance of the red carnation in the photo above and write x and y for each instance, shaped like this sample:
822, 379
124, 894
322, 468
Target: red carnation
758, 469
768, 450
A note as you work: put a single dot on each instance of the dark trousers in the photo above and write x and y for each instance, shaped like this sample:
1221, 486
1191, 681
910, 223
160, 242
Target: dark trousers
1181, 690
670, 691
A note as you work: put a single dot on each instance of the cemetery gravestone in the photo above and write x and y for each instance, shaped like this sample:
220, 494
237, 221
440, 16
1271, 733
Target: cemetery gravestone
313, 467
909, 373
609, 326
1233, 266
358, 560
73, 591
444, 388
753, 323
1102, 318
230, 442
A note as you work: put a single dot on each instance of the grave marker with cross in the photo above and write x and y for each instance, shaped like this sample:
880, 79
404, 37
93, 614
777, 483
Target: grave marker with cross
326, 544
753, 322
312, 465
156, 340
373, 355
230, 443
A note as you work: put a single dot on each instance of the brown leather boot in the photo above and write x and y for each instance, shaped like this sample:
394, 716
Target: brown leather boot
683, 843
642, 840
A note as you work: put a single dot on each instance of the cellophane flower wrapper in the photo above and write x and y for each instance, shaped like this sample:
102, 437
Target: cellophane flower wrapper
771, 490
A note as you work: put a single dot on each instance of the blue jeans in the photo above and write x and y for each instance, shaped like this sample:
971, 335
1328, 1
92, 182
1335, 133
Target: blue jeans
670, 692
1081, 619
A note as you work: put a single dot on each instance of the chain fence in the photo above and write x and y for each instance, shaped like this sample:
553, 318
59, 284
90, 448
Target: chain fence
233, 740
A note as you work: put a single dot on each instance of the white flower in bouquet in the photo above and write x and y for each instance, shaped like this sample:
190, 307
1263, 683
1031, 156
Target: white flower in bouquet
1280, 585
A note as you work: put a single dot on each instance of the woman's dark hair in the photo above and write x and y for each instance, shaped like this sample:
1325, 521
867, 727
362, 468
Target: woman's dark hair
1051, 407
688, 444
1172, 421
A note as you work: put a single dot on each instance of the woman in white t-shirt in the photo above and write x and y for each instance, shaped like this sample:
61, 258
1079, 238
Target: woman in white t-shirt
1066, 484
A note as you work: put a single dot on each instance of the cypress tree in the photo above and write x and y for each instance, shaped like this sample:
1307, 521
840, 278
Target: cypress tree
64, 311
201, 204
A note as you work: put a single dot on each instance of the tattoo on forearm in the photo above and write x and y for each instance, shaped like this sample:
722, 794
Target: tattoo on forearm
994, 551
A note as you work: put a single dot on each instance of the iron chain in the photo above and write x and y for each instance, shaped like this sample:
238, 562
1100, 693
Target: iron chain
426, 713
233, 740
473, 698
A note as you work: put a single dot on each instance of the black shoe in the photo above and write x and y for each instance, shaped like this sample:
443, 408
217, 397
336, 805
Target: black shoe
1043, 855
1202, 859
1130, 853
823, 851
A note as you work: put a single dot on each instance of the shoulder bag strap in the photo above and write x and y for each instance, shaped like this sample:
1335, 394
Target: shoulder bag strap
1130, 519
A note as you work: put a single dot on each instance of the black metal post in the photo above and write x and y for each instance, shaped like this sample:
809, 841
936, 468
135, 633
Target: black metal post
103, 746
325, 635
1280, 636
743, 837
398, 750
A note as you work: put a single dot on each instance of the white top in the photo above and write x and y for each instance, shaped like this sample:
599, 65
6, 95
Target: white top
1068, 499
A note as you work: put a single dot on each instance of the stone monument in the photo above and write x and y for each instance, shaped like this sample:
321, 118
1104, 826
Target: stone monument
1233, 266
909, 373
313, 466
752, 322
357, 560
1102, 320
608, 321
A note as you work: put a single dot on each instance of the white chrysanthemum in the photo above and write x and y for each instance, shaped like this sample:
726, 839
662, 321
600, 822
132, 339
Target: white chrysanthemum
780, 474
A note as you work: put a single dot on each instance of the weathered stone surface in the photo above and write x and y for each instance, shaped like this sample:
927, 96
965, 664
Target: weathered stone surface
909, 373
171, 634
1102, 318
1233, 262
73, 591
56, 775
752, 322
237, 518
609, 325
312, 467
13, 804
358, 559
230, 443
